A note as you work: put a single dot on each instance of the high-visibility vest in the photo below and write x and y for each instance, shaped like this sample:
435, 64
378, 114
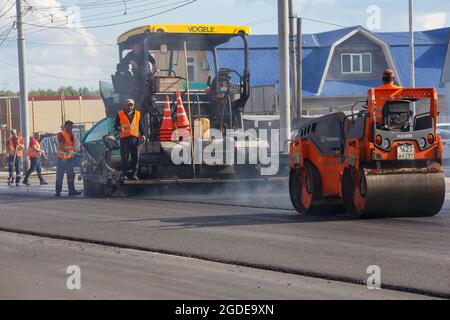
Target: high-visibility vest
380, 102
32, 153
12, 148
129, 129
67, 149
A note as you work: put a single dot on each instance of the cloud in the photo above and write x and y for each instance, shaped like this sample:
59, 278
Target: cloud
431, 21
76, 62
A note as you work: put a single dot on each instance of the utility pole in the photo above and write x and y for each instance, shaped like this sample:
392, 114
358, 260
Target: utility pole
299, 105
292, 49
411, 44
23, 79
412, 52
285, 96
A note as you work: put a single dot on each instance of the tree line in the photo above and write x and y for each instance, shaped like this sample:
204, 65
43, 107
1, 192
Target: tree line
68, 92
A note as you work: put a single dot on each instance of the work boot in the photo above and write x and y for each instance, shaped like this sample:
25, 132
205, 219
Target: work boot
72, 191
25, 181
43, 182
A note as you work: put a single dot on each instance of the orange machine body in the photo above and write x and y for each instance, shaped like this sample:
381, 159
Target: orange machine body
321, 175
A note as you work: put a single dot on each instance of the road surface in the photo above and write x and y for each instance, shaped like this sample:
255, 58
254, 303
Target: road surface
230, 244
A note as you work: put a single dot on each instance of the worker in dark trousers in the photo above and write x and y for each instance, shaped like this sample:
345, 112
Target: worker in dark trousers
129, 125
15, 152
66, 154
35, 153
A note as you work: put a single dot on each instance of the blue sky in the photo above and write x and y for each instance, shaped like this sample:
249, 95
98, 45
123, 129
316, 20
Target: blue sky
97, 62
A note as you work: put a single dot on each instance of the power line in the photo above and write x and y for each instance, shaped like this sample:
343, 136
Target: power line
8, 10
93, 6
4, 6
50, 75
186, 3
6, 36
135, 12
38, 43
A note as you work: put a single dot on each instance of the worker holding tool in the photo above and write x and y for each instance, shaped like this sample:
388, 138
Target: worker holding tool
35, 153
389, 80
129, 125
15, 149
66, 154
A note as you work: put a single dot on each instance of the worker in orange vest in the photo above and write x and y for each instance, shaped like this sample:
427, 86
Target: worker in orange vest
129, 124
66, 154
35, 153
15, 147
388, 83
389, 80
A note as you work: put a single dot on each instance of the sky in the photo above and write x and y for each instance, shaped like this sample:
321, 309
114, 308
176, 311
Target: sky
82, 51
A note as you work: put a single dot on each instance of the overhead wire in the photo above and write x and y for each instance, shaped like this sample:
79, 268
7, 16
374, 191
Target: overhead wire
185, 3
51, 75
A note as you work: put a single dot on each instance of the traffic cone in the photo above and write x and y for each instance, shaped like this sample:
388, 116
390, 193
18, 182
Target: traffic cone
167, 127
183, 125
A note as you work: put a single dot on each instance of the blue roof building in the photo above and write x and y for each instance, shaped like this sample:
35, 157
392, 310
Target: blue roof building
347, 62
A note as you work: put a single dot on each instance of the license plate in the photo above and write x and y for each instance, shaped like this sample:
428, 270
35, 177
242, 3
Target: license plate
405, 152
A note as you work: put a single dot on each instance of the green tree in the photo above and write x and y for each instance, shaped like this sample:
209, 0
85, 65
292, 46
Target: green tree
8, 93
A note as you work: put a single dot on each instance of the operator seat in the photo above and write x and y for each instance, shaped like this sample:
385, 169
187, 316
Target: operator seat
397, 115
123, 81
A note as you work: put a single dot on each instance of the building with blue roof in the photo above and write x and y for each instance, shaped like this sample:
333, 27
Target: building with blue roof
340, 66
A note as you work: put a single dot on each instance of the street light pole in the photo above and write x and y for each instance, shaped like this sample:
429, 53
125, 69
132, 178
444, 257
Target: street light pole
299, 105
292, 55
24, 125
412, 52
411, 44
285, 96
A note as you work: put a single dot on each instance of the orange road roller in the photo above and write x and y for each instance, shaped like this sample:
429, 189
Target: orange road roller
383, 159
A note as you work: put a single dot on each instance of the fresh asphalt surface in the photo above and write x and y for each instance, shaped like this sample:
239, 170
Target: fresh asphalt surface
263, 248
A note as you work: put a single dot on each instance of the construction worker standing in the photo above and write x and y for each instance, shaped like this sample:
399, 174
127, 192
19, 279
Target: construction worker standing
66, 154
35, 153
129, 125
15, 149
389, 80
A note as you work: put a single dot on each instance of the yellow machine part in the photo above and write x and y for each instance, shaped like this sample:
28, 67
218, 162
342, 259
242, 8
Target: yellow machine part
201, 128
186, 29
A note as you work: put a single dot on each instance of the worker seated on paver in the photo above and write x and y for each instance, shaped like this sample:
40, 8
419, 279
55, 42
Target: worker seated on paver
15, 147
136, 59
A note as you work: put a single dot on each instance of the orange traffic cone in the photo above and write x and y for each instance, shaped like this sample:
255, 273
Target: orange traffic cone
167, 127
183, 125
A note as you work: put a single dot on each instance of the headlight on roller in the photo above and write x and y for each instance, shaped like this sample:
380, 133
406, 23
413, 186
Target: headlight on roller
386, 144
423, 143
